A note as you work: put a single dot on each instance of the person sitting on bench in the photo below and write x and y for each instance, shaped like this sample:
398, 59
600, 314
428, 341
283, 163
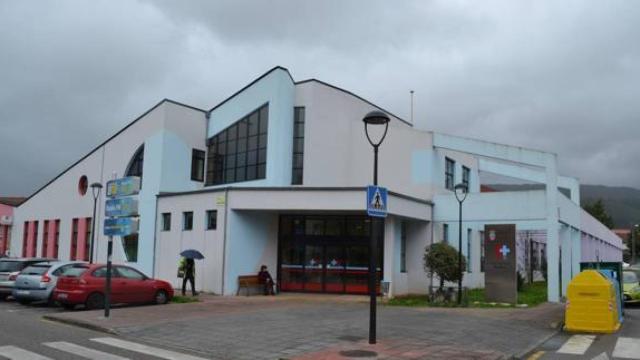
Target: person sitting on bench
265, 278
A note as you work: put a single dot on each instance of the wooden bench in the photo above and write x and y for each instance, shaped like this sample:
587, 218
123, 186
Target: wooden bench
248, 282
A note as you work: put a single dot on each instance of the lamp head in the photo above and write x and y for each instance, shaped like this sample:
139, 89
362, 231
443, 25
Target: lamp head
95, 189
461, 191
376, 117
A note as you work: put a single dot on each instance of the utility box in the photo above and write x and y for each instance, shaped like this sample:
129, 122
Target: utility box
592, 304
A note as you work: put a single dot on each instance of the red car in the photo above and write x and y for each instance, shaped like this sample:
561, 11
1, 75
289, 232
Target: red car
84, 284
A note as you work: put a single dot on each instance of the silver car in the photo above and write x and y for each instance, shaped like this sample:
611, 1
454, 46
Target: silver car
9, 270
37, 281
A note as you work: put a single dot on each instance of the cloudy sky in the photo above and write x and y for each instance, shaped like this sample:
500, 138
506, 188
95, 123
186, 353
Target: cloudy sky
562, 76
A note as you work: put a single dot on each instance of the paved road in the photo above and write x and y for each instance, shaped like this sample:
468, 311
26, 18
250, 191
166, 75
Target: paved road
623, 345
25, 336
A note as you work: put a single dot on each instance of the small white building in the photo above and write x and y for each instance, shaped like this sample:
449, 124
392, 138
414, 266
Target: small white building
276, 175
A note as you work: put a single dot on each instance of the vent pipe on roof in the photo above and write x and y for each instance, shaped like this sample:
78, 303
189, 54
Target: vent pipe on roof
411, 91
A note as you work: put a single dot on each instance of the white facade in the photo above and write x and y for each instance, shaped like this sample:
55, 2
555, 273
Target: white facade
337, 165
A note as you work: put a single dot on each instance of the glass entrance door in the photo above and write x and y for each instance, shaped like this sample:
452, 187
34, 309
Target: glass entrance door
334, 268
313, 268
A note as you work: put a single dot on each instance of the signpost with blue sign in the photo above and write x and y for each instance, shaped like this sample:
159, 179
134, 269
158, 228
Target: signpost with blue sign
121, 212
376, 201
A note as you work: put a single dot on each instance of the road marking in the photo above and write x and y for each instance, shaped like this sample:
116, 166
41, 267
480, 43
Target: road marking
16, 353
602, 356
82, 351
535, 356
627, 348
577, 344
144, 349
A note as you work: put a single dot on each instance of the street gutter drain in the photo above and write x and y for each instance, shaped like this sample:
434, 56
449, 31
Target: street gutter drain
358, 353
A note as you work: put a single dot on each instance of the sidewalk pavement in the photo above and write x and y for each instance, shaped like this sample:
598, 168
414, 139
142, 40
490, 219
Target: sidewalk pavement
304, 327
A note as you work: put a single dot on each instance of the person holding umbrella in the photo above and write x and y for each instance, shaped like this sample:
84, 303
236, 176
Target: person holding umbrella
188, 269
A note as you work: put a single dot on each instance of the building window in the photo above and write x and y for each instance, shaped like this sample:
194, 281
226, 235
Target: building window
445, 233
187, 220
166, 222
239, 152
469, 255
403, 247
197, 165
130, 244
481, 251
74, 240
136, 164
298, 146
45, 238
34, 249
25, 235
56, 238
87, 239
449, 173
212, 219
466, 173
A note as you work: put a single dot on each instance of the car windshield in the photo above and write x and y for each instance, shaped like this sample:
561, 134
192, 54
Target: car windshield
10, 266
36, 269
629, 277
74, 271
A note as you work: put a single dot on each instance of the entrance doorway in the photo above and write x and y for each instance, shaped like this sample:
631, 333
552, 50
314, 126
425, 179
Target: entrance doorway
328, 254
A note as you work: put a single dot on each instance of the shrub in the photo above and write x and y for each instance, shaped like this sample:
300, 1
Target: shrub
441, 259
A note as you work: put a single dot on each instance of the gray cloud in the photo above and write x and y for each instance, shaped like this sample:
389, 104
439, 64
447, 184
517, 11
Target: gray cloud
559, 76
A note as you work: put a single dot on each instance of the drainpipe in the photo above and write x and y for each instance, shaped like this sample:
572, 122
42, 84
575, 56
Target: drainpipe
224, 237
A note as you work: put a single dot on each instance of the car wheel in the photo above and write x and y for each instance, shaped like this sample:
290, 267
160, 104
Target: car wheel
94, 301
69, 306
161, 297
3, 296
24, 301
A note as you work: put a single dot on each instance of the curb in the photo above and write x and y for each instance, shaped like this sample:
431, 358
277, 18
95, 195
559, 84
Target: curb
529, 350
81, 324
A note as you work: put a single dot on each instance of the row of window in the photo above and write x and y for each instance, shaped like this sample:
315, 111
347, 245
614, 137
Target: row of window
450, 174
79, 248
211, 220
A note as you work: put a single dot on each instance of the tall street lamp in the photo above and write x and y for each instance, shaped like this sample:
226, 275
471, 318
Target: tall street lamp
461, 191
634, 228
95, 191
373, 119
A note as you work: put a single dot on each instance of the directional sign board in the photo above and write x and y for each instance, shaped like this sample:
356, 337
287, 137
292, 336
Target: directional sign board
123, 187
376, 201
121, 226
120, 207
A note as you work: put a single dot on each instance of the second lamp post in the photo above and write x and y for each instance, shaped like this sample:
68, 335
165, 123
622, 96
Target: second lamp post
461, 193
95, 191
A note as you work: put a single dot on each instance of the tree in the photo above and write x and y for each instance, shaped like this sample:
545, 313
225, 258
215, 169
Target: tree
441, 259
598, 211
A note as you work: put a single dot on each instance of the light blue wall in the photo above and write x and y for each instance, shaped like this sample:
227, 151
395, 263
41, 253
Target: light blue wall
176, 164
151, 178
248, 239
278, 90
420, 165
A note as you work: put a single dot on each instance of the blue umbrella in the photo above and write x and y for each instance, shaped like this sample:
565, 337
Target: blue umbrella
192, 254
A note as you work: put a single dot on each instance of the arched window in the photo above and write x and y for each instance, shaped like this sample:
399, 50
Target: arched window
136, 163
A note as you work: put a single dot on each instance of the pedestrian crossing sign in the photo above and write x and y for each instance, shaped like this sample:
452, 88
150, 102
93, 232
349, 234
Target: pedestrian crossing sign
376, 201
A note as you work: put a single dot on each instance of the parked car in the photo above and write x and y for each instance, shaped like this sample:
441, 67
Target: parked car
630, 286
37, 281
9, 270
84, 284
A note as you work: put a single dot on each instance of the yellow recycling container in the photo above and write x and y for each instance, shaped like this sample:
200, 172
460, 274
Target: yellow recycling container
591, 304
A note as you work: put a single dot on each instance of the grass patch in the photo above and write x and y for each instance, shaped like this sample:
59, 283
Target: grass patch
530, 295
177, 299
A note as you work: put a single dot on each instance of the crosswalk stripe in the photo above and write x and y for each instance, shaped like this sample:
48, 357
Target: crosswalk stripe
16, 353
577, 344
627, 348
602, 356
144, 349
83, 351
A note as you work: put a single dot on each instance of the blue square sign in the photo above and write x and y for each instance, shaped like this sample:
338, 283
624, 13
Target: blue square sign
376, 201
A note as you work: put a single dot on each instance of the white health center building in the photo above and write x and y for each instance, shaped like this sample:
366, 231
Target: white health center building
276, 175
